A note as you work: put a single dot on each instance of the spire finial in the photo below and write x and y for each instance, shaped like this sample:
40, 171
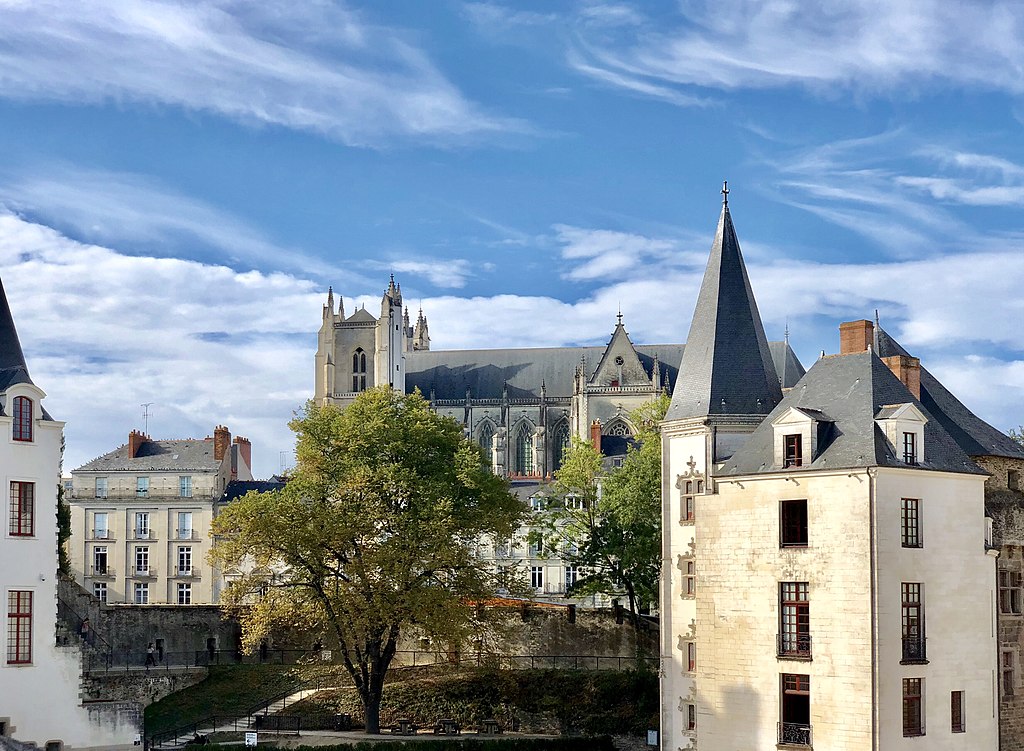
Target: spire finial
725, 194
787, 331
618, 315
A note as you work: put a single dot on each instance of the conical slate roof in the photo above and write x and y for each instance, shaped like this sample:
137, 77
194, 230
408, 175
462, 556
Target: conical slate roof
12, 360
726, 368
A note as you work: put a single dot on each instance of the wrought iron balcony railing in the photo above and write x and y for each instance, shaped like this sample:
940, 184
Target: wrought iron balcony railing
794, 734
792, 644
914, 649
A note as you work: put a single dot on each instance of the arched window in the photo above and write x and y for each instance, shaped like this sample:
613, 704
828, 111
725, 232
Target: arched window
22, 418
359, 370
561, 444
487, 438
524, 449
619, 428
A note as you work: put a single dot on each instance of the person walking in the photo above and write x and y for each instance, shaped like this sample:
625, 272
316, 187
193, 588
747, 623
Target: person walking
85, 631
150, 656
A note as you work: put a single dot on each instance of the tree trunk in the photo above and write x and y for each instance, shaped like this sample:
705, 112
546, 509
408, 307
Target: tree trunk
371, 709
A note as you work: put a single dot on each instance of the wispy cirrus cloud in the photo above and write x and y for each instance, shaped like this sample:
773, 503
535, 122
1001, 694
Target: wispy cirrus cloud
858, 44
315, 67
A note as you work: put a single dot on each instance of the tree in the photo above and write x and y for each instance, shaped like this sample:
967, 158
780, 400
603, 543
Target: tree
611, 525
1018, 434
374, 533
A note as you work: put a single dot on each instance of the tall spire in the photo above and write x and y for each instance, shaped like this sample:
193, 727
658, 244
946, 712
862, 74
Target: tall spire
727, 367
13, 368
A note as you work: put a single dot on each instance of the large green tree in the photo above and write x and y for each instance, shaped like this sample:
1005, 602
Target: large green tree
610, 524
374, 532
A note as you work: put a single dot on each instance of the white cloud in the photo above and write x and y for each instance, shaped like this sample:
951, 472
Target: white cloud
860, 44
447, 273
608, 254
314, 67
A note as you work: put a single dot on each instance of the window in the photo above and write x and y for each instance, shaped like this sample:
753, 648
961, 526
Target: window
691, 579
99, 560
572, 573
184, 593
141, 487
524, 450
561, 445
185, 487
141, 593
536, 545
574, 503
502, 548
142, 560
687, 502
537, 503
1009, 592
913, 622
487, 438
910, 448
956, 712
795, 722
537, 577
910, 522
23, 502
99, 525
795, 620
185, 561
141, 525
794, 456
1013, 479
19, 627
359, 370
22, 418
184, 525
691, 656
793, 524
99, 590
1006, 665
101, 487
691, 716
913, 717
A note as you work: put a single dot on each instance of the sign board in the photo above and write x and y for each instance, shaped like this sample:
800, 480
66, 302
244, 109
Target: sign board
652, 737
250, 739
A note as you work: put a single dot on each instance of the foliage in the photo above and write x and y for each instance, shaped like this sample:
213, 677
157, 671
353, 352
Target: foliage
228, 691
374, 533
1018, 434
610, 526
63, 532
603, 743
566, 701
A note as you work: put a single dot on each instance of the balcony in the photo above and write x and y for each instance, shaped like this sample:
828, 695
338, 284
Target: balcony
793, 646
186, 573
100, 534
185, 534
101, 572
144, 572
144, 534
794, 734
914, 652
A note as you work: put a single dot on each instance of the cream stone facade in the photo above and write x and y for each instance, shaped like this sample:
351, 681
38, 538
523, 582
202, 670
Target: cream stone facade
828, 573
141, 515
39, 681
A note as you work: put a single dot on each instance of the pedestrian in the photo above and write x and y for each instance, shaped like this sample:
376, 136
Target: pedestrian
150, 656
85, 631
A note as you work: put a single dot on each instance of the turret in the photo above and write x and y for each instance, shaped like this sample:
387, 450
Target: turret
421, 334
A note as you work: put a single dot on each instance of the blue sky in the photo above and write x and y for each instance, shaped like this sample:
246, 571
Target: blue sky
181, 183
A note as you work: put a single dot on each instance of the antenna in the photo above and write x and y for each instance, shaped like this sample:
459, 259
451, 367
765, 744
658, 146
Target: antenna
145, 416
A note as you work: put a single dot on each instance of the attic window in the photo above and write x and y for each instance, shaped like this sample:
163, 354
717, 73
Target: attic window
22, 418
910, 448
794, 456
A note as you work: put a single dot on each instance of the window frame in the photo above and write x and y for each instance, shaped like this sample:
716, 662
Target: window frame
23, 420
141, 526
184, 588
691, 657
792, 450
22, 521
142, 486
19, 626
96, 531
141, 554
801, 526
1007, 672
100, 591
1009, 584
185, 486
101, 487
537, 577
690, 578
912, 623
184, 554
956, 712
181, 530
913, 708
97, 551
910, 448
794, 620
910, 523
140, 593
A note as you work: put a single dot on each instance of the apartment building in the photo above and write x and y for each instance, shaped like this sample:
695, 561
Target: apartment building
141, 515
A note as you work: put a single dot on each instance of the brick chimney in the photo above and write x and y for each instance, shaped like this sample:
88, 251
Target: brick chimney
135, 441
245, 450
221, 441
595, 435
856, 336
908, 370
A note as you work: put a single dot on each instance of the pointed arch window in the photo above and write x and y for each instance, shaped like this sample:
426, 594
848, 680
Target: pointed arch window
359, 370
561, 444
22, 418
619, 428
524, 450
487, 438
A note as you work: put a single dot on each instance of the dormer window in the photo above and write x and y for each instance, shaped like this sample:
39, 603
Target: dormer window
794, 456
22, 418
910, 448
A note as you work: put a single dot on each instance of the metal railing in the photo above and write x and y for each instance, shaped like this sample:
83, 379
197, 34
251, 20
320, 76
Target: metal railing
794, 734
101, 571
790, 644
914, 649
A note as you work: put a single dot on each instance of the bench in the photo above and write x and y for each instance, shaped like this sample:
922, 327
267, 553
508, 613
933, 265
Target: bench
404, 727
447, 726
490, 727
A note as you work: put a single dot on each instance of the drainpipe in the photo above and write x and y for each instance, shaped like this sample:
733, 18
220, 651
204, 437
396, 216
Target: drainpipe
872, 473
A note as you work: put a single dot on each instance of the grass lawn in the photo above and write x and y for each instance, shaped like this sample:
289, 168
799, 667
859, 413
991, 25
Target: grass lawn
229, 691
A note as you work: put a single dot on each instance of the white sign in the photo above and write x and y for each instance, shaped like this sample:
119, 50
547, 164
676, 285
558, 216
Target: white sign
652, 737
250, 739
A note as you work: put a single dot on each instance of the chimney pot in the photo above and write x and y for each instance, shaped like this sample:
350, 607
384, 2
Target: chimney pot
595, 434
221, 441
135, 441
856, 336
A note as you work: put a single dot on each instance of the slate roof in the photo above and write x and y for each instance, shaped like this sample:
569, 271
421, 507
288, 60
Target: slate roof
727, 367
237, 488
974, 435
484, 371
192, 454
851, 389
13, 368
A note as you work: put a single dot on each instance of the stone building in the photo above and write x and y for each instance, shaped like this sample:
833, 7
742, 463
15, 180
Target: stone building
806, 533
141, 514
39, 681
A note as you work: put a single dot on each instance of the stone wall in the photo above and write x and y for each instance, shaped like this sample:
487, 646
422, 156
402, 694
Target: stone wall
119, 691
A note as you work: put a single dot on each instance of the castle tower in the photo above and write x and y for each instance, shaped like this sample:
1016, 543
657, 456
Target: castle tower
421, 335
726, 385
389, 355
